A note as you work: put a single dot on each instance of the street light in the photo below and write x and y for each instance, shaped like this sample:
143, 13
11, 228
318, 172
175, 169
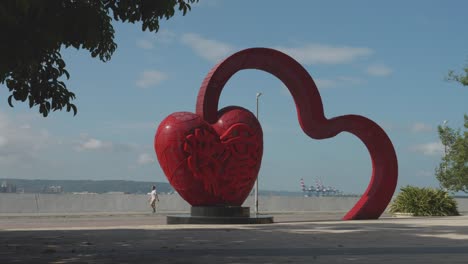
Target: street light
258, 95
256, 182
445, 145
445, 148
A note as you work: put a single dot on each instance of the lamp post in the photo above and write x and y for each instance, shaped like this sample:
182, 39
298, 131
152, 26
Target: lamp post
445, 148
256, 182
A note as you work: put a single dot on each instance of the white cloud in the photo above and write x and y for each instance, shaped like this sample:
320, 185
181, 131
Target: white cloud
93, 144
429, 149
151, 78
145, 158
88, 143
165, 36
211, 50
420, 127
326, 54
341, 81
379, 70
325, 83
145, 44
18, 142
350, 80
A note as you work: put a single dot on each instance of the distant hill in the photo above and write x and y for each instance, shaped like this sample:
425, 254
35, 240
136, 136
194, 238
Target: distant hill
68, 186
94, 186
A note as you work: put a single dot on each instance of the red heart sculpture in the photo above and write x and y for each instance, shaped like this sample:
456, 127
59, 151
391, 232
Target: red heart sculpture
211, 164
311, 118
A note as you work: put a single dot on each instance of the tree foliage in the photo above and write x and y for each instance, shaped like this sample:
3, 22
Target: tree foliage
33, 33
461, 78
452, 172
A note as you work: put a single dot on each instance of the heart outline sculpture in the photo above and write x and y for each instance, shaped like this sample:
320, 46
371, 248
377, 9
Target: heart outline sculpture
311, 119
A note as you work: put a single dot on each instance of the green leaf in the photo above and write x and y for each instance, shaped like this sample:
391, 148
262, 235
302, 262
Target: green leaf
43, 110
66, 74
9, 100
75, 110
31, 101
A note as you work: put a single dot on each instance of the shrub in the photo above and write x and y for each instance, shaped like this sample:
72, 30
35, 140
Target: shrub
424, 202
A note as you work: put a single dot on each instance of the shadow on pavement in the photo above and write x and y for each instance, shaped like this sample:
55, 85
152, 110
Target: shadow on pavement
387, 241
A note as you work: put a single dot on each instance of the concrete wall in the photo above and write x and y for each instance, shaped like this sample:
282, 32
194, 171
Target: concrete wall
462, 204
77, 203
87, 203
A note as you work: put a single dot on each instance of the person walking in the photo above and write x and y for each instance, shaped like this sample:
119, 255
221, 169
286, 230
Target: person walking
153, 199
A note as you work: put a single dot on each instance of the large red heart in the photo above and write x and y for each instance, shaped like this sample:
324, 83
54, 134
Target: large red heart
211, 164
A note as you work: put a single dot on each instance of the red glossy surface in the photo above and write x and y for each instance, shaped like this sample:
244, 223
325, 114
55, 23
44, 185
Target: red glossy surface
193, 179
312, 120
211, 164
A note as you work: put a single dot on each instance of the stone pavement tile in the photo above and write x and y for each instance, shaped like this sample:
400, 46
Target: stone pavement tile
388, 240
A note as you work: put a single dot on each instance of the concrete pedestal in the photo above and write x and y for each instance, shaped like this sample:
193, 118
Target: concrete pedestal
219, 215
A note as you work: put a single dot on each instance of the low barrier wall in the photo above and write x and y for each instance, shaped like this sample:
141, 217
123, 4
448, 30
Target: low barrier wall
132, 203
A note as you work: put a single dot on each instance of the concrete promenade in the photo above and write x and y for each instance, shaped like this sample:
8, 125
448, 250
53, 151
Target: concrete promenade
294, 238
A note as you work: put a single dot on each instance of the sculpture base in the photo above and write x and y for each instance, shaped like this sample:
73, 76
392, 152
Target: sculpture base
218, 215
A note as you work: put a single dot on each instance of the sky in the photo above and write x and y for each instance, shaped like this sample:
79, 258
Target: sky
384, 60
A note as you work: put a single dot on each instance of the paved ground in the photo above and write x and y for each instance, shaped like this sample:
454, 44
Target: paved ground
296, 238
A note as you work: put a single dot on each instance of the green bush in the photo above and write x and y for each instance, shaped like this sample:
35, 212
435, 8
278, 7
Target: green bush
424, 202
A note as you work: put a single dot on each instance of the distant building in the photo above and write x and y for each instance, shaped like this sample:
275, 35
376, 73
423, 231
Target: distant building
52, 189
6, 187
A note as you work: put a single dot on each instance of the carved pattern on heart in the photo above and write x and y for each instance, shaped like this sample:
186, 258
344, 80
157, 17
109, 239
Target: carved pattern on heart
218, 160
211, 164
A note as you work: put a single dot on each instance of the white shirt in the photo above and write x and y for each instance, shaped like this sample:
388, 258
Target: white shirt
153, 194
